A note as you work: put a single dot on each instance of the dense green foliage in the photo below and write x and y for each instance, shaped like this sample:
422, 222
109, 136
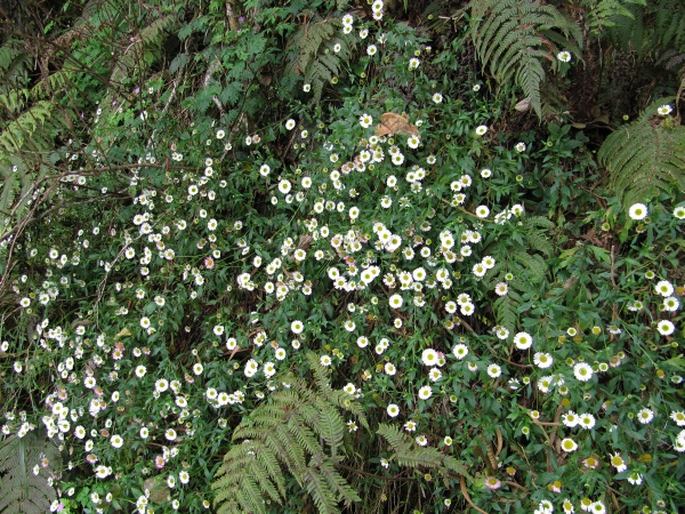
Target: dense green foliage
297, 256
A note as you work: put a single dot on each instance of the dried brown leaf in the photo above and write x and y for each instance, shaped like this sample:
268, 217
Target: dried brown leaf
391, 124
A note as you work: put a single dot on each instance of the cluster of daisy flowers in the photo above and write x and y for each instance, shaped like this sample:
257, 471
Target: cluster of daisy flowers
349, 238
387, 246
103, 370
364, 253
345, 240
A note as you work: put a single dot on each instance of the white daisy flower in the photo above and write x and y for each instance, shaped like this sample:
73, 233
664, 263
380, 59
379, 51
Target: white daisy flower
582, 371
425, 392
663, 288
568, 445
564, 56
396, 301
665, 327
638, 211
664, 110
523, 340
645, 416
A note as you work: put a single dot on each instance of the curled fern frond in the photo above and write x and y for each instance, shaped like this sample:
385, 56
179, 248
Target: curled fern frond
646, 157
299, 430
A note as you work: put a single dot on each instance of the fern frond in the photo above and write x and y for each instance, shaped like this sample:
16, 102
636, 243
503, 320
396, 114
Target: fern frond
24, 143
52, 84
419, 457
311, 53
235, 496
646, 157
395, 438
529, 77
332, 427
513, 38
324, 498
505, 310
304, 436
536, 228
654, 29
321, 374
529, 270
8, 53
338, 398
523, 255
17, 184
608, 13
26, 130
14, 100
669, 24
287, 433
338, 483
269, 463
22, 491
408, 454
307, 42
14, 66
455, 465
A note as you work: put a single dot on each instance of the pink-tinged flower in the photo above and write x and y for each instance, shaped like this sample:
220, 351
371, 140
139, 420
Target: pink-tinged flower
492, 483
118, 351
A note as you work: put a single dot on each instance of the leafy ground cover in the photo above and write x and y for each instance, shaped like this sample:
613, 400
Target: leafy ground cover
308, 257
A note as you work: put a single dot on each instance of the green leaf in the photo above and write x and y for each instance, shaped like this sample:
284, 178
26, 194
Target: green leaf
23, 492
646, 157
